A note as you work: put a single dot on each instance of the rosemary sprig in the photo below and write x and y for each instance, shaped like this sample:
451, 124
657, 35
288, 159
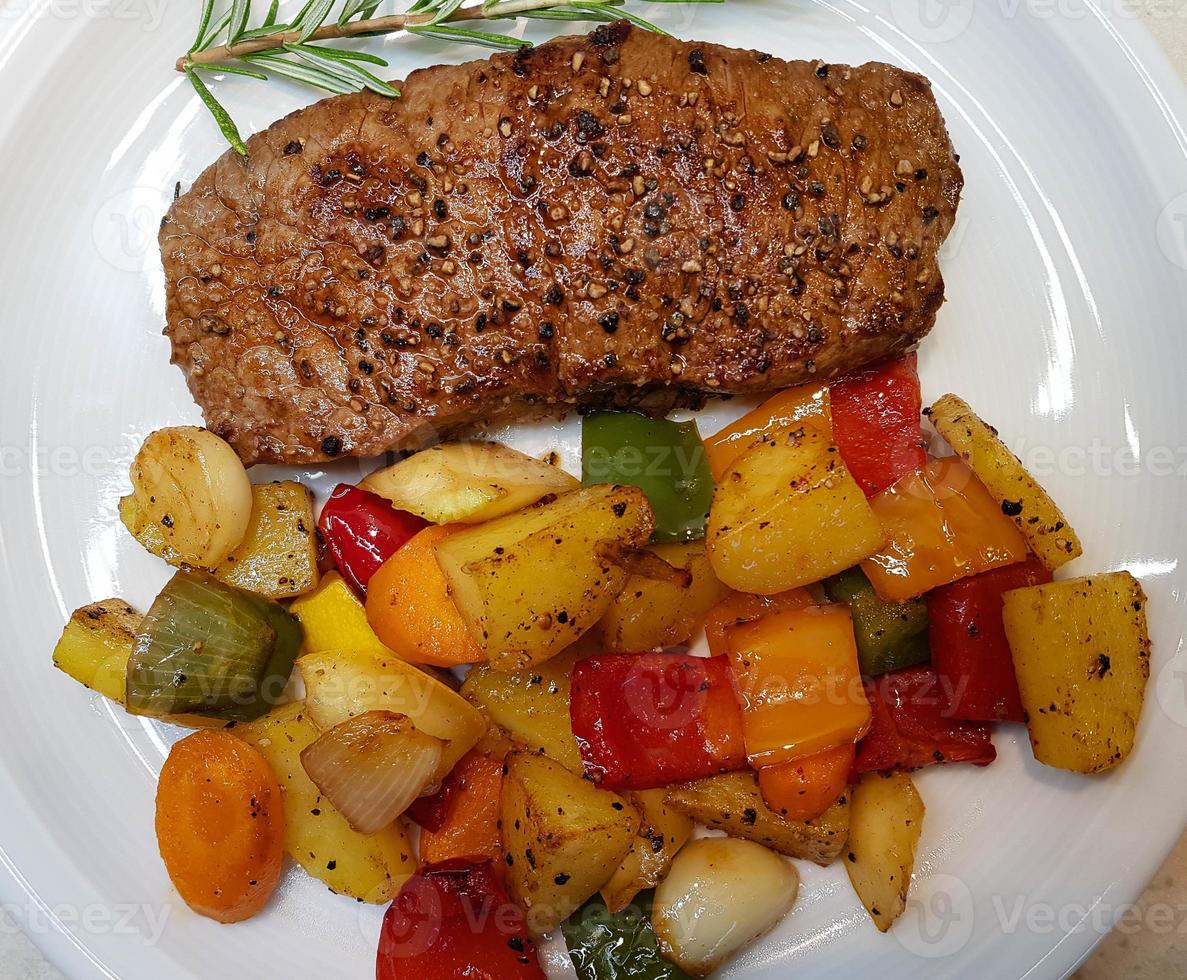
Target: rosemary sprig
226, 43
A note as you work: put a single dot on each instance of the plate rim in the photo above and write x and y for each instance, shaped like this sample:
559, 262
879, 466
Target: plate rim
1168, 88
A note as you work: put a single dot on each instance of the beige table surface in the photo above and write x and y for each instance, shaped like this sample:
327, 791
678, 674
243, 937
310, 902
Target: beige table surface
1149, 944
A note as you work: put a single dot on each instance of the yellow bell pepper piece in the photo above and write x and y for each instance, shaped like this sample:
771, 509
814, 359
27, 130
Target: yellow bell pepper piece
742, 607
942, 525
334, 619
778, 416
798, 677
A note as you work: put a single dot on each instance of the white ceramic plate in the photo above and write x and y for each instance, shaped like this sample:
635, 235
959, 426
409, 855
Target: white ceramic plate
1063, 325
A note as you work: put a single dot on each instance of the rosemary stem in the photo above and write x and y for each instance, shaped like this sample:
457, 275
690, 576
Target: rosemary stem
376, 25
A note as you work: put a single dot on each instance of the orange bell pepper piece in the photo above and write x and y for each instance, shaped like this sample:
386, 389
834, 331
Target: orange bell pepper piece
741, 607
942, 526
410, 610
805, 788
470, 825
797, 676
784, 413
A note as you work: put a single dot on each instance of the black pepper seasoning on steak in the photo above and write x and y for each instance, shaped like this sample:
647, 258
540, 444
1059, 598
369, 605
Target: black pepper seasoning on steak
638, 232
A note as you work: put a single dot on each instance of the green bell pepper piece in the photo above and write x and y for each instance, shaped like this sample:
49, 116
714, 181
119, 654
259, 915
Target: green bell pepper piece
208, 648
617, 947
890, 635
665, 459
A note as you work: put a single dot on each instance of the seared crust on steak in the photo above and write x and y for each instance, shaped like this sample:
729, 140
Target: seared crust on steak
622, 219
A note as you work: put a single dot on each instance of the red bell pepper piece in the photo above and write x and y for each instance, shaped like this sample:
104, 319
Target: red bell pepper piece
431, 812
910, 729
453, 920
875, 414
968, 643
652, 719
362, 531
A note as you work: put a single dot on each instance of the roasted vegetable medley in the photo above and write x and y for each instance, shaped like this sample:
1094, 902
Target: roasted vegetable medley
477, 681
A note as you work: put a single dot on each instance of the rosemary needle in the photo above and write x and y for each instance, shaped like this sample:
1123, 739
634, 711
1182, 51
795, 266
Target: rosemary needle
221, 116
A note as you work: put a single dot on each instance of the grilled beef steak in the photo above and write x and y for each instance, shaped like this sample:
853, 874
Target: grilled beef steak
622, 219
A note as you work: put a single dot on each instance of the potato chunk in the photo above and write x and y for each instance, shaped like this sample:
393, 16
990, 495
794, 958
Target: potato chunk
96, 644
278, 556
468, 482
787, 513
94, 650
150, 534
733, 803
664, 831
884, 826
1041, 522
562, 836
650, 613
367, 867
1082, 657
529, 584
531, 705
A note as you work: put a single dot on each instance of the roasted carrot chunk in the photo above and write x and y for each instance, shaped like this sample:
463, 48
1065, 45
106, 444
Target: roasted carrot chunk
409, 607
805, 788
470, 828
220, 825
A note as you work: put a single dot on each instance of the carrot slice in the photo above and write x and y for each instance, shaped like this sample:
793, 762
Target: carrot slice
409, 607
805, 788
470, 828
220, 825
